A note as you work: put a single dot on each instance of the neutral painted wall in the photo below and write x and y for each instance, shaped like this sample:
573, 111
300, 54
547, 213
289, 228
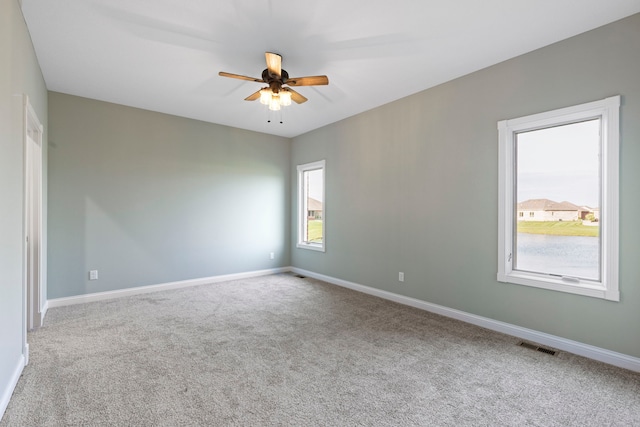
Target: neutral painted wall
147, 198
412, 186
19, 74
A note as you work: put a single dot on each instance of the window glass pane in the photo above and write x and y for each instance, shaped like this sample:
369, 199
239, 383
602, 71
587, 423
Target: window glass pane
558, 200
313, 208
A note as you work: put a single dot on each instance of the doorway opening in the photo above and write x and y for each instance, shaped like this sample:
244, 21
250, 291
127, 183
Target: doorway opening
33, 288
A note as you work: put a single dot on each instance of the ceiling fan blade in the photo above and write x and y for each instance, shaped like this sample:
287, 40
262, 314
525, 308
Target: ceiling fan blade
296, 97
253, 96
238, 76
307, 81
274, 63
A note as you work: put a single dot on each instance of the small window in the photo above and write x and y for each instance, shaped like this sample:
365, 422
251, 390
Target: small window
562, 167
311, 206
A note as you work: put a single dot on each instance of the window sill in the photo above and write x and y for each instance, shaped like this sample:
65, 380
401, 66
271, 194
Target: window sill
311, 246
579, 287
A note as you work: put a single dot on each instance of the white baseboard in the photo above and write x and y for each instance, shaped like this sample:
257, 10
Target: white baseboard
13, 381
100, 296
585, 350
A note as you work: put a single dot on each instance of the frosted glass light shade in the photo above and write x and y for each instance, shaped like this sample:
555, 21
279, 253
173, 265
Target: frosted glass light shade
265, 96
274, 104
285, 98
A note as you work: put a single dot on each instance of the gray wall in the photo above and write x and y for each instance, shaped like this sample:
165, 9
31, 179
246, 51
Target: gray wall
19, 74
413, 186
147, 198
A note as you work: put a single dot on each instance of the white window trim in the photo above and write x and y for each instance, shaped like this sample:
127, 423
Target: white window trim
608, 111
302, 209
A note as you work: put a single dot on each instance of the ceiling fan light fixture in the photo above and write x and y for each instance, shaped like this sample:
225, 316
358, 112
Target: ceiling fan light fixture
265, 96
274, 104
285, 98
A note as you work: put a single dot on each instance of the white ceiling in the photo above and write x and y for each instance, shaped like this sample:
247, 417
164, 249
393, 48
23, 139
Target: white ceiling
164, 55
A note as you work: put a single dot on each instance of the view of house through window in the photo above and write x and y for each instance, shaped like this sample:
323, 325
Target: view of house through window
313, 201
311, 212
558, 200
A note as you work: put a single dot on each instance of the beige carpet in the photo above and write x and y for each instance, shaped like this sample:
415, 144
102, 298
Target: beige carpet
285, 351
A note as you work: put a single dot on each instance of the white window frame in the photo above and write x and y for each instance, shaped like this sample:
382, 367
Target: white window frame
302, 206
608, 111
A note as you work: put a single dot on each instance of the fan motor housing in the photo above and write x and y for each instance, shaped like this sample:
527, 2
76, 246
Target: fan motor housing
268, 78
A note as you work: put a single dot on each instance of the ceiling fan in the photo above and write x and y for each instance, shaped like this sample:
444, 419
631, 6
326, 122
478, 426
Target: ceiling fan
276, 94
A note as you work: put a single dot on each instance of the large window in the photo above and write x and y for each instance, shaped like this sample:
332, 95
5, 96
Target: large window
558, 199
311, 206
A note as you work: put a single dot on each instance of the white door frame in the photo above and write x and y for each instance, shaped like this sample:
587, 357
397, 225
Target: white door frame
33, 286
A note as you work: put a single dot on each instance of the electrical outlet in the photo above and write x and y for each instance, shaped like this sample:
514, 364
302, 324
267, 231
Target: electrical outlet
93, 275
272, 255
401, 276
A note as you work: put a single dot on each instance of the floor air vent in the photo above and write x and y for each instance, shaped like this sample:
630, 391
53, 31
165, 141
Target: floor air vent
537, 348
